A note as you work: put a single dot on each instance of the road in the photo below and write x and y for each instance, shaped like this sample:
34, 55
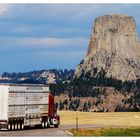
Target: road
35, 132
48, 132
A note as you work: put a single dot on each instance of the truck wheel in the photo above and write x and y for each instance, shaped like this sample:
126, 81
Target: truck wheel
22, 125
56, 126
9, 126
43, 124
13, 126
46, 124
18, 125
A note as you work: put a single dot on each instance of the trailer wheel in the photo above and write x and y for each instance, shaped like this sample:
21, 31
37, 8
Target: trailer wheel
22, 125
13, 126
46, 124
42, 124
18, 125
20, 122
9, 126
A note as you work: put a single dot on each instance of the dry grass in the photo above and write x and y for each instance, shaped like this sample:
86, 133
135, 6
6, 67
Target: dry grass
108, 119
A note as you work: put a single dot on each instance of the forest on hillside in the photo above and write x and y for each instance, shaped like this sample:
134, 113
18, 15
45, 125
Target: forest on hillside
96, 87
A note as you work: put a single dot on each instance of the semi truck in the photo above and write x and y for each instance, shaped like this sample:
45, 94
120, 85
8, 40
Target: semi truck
24, 105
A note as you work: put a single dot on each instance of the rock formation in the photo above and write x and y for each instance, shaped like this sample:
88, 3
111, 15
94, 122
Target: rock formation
114, 47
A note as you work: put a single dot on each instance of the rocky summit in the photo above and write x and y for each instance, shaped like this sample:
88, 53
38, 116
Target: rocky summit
113, 47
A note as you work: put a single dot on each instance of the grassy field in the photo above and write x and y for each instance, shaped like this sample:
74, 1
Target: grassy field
108, 119
134, 131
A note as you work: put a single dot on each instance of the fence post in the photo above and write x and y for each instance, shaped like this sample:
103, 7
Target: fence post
77, 123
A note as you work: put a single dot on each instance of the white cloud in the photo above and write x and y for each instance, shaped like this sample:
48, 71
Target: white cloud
65, 12
4, 8
53, 41
34, 42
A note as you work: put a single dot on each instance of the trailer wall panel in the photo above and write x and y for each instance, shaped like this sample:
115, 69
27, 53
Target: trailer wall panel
28, 88
3, 102
36, 98
16, 111
16, 98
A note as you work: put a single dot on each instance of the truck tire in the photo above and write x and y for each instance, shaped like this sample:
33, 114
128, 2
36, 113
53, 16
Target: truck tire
9, 126
18, 125
42, 124
22, 125
46, 124
56, 125
13, 126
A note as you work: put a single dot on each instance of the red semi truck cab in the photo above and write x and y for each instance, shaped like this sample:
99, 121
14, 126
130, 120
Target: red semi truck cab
54, 119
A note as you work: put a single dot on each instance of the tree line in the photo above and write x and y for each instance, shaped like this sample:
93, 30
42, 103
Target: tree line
83, 85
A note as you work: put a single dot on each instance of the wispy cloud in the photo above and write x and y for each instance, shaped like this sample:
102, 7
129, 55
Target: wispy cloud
67, 11
50, 42
38, 43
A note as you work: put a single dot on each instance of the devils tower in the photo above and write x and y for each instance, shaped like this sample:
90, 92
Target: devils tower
113, 47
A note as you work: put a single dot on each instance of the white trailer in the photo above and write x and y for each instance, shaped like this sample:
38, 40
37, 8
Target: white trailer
26, 105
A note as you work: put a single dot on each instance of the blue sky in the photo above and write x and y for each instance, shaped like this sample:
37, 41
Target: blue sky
45, 36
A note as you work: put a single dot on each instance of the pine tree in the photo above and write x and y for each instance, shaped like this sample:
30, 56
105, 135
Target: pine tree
56, 106
85, 108
89, 104
61, 106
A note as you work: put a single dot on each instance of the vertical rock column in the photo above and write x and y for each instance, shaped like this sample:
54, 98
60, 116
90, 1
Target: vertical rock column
114, 47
